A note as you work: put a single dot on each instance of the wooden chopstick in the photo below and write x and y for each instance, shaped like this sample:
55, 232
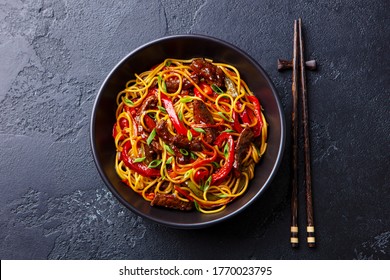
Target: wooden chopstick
305, 123
294, 144
299, 63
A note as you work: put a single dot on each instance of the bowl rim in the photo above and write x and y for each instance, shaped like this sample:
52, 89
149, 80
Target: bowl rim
208, 223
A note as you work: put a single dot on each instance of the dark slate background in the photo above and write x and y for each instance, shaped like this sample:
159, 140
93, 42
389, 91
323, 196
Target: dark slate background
54, 56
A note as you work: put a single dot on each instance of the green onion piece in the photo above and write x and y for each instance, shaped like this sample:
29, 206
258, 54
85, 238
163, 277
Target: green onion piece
222, 115
155, 163
216, 164
186, 99
216, 88
169, 161
193, 156
162, 109
189, 135
188, 173
184, 152
222, 195
194, 189
139, 159
169, 149
207, 184
128, 101
167, 63
180, 115
151, 137
229, 130
163, 84
226, 150
199, 130
196, 205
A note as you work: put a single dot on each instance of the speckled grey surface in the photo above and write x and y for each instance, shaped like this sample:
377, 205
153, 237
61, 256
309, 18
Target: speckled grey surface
55, 54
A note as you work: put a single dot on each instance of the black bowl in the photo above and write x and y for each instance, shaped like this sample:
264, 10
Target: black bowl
184, 47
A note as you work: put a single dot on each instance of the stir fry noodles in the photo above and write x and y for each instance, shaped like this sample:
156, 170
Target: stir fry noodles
188, 134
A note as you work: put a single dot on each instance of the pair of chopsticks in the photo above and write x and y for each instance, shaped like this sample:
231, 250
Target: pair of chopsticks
299, 66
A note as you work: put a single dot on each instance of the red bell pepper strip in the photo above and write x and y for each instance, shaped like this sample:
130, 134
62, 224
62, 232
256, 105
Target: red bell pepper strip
123, 123
236, 124
206, 89
177, 124
152, 91
150, 196
244, 114
132, 113
184, 193
114, 131
201, 175
194, 133
150, 123
198, 94
221, 138
187, 195
138, 167
227, 167
257, 111
130, 110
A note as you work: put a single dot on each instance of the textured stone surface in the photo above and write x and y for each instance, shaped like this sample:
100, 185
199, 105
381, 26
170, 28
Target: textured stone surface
55, 54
